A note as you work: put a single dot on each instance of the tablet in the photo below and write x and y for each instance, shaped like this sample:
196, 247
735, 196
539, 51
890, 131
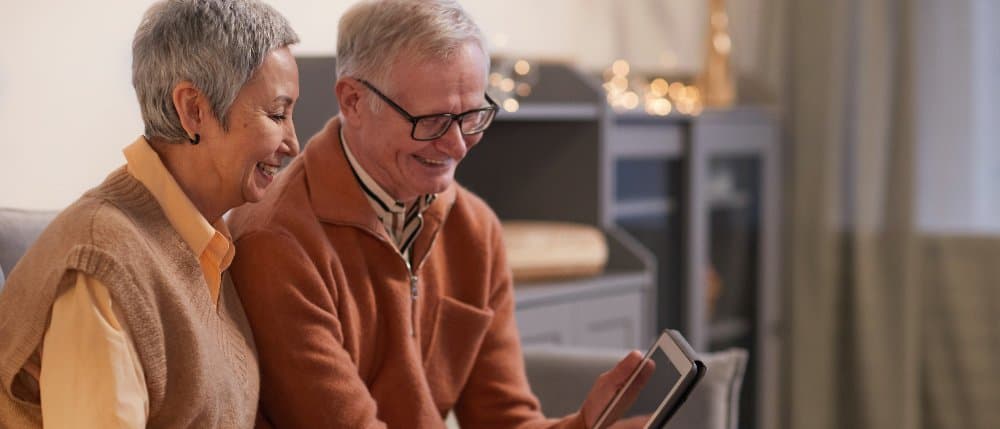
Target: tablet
670, 370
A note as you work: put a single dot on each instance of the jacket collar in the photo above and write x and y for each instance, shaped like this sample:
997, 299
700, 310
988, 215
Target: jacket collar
337, 198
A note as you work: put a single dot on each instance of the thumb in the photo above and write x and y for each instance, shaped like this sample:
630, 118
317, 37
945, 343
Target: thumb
606, 386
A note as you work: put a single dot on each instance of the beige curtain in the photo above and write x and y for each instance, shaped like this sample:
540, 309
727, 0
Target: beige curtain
961, 354
887, 327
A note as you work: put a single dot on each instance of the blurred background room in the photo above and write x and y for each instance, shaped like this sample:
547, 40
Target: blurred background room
813, 181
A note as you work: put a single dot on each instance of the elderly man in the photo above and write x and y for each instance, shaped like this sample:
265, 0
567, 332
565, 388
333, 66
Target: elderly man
376, 287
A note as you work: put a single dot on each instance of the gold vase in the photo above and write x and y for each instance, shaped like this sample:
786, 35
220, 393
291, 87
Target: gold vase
715, 82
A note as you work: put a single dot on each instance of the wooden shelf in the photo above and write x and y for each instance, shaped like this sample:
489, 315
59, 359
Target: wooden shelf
731, 201
551, 112
547, 292
656, 206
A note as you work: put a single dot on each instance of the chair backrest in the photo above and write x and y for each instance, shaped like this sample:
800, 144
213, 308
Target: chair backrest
18, 230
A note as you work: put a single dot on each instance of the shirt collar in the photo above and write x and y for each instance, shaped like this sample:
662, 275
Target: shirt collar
145, 165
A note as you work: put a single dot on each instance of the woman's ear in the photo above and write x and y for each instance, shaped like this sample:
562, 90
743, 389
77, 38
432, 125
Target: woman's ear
349, 96
190, 106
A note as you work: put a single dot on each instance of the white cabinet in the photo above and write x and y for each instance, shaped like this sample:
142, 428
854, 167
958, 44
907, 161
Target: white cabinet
615, 309
613, 321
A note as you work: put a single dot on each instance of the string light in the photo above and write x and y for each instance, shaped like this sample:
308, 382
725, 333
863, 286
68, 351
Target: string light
630, 100
620, 68
675, 90
523, 89
511, 105
495, 79
507, 85
619, 83
510, 80
522, 67
659, 87
657, 96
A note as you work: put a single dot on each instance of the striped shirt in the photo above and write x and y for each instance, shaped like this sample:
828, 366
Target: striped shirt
402, 223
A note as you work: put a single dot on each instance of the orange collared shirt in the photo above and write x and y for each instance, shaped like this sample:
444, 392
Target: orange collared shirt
90, 374
210, 241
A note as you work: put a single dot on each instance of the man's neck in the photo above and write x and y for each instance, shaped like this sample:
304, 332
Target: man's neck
353, 142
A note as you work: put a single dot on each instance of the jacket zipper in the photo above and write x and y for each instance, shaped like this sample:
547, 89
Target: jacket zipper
413, 296
412, 273
414, 280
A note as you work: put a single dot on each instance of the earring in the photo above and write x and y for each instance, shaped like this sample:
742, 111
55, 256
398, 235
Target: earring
196, 139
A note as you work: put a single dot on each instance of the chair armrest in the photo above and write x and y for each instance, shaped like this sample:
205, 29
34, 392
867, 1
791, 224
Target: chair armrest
561, 377
18, 230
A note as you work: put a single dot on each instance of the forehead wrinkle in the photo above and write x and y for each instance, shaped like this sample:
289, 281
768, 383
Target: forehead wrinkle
458, 90
284, 100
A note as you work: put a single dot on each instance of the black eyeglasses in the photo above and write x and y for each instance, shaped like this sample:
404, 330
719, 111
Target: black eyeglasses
432, 127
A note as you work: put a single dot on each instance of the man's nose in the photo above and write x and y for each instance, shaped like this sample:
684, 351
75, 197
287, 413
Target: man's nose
291, 141
453, 142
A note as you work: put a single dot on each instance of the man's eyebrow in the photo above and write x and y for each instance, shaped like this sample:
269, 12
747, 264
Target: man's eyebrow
284, 99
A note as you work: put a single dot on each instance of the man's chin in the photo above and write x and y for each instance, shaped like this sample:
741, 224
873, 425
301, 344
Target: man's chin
253, 195
436, 188
443, 186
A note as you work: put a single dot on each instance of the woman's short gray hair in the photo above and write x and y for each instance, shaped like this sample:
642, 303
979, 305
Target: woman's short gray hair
373, 34
217, 45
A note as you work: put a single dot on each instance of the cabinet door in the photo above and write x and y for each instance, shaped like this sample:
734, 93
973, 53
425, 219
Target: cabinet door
610, 321
613, 321
546, 324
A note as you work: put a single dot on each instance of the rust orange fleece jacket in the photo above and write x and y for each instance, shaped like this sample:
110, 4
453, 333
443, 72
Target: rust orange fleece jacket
342, 344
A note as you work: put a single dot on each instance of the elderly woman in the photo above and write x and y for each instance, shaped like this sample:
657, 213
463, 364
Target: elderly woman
118, 315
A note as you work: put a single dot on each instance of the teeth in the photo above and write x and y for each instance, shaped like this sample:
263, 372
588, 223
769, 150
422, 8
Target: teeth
431, 161
267, 169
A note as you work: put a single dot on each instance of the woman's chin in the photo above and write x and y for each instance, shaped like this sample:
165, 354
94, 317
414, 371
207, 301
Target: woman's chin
253, 194
256, 186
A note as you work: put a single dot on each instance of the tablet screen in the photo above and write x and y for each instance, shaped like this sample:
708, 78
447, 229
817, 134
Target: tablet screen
664, 377
656, 382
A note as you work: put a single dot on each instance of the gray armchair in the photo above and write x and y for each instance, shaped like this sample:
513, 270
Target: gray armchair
18, 229
559, 376
562, 376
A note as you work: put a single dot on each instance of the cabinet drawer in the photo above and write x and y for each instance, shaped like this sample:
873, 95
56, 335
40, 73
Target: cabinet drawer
549, 324
641, 140
614, 321
595, 321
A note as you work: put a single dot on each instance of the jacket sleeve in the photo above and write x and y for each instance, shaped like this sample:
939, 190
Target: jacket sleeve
497, 394
308, 380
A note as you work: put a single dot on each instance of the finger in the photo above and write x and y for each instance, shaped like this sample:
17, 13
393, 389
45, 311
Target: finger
645, 373
635, 388
618, 375
607, 386
636, 422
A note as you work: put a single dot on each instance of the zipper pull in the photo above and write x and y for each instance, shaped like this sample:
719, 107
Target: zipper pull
413, 305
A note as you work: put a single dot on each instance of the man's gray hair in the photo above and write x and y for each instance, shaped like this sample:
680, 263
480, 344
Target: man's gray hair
373, 34
217, 45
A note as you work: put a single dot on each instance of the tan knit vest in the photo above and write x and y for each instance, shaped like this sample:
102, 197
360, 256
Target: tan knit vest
199, 361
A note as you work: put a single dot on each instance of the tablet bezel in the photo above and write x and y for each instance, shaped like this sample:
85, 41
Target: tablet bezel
684, 360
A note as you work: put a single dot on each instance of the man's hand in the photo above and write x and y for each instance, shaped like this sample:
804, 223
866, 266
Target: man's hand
635, 422
610, 382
